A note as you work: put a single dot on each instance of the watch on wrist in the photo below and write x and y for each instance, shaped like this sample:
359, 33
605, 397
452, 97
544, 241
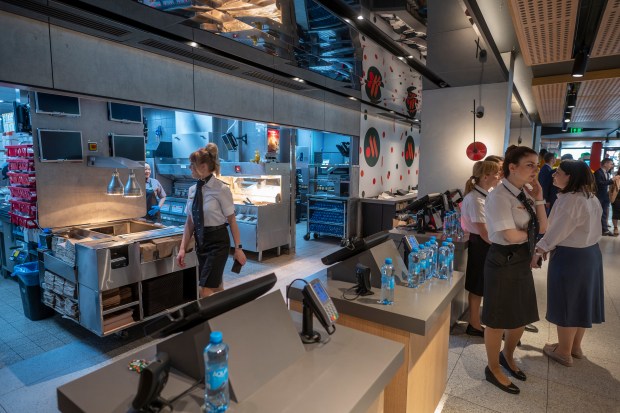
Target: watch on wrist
240, 247
542, 202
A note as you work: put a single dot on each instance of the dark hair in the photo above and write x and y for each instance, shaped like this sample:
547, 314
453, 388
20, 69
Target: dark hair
566, 156
605, 160
543, 152
581, 178
549, 156
513, 155
494, 158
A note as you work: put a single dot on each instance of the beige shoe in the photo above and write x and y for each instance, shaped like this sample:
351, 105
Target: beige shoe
549, 350
578, 354
616, 231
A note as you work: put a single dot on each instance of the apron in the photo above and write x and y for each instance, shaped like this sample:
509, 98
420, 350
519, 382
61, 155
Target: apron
151, 200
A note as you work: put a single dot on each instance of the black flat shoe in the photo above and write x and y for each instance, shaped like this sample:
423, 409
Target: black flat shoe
531, 328
517, 374
471, 331
511, 388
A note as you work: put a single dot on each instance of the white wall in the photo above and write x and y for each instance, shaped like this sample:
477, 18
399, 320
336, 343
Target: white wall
447, 128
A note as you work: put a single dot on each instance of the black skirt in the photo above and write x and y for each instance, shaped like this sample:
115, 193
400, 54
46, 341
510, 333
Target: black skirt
476, 256
212, 253
509, 294
575, 287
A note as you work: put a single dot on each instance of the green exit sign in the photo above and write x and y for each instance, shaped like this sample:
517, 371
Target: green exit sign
575, 130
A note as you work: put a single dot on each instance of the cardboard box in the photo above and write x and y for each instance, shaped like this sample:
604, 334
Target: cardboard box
148, 252
165, 246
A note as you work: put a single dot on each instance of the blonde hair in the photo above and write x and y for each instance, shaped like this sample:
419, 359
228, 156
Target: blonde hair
480, 169
207, 155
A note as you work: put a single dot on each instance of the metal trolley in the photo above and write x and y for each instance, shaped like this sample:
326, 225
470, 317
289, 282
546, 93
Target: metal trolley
327, 216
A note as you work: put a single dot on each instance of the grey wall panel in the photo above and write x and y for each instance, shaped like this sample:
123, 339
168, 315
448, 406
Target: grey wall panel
73, 193
342, 120
294, 110
221, 94
24, 51
99, 67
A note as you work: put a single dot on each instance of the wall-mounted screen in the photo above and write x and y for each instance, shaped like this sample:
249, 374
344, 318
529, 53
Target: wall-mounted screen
128, 146
60, 145
57, 104
124, 113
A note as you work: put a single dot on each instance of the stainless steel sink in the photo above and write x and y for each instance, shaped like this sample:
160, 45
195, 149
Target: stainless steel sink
125, 227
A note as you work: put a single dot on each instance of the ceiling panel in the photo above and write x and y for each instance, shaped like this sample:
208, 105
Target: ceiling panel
550, 101
607, 40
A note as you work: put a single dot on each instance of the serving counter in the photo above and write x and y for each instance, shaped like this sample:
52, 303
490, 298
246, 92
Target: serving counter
419, 319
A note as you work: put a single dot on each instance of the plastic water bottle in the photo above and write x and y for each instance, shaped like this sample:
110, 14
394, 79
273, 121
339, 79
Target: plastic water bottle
387, 283
443, 270
434, 248
216, 374
429, 261
452, 248
458, 228
413, 275
445, 231
422, 254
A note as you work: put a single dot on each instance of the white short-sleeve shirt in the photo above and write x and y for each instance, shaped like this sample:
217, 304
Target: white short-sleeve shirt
504, 211
217, 202
472, 210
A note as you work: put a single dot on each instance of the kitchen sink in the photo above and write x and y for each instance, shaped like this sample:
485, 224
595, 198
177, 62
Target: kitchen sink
125, 227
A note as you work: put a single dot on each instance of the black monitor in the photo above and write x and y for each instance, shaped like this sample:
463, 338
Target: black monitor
50, 104
21, 117
204, 309
128, 146
120, 112
355, 248
230, 141
423, 202
60, 145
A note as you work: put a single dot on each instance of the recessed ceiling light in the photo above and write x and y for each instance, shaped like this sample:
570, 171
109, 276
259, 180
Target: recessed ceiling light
193, 44
360, 17
352, 98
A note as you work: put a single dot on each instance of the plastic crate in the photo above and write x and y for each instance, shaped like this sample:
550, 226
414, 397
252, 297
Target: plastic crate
26, 194
22, 178
23, 151
23, 221
24, 207
24, 165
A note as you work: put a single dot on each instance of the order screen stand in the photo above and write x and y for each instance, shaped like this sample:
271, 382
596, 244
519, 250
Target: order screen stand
308, 335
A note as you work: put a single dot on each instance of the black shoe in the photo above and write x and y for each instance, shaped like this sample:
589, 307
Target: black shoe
531, 328
471, 331
511, 388
504, 337
608, 234
517, 374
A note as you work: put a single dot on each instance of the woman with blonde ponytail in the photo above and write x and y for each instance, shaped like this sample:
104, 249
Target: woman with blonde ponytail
485, 176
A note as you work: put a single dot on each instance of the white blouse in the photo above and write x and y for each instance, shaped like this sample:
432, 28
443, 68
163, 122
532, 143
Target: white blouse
472, 210
217, 202
575, 221
504, 211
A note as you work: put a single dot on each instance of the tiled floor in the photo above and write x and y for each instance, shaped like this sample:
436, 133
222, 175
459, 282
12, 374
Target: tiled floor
37, 357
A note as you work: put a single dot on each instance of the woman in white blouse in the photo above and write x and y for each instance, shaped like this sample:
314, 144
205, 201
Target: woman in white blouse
485, 175
515, 215
575, 287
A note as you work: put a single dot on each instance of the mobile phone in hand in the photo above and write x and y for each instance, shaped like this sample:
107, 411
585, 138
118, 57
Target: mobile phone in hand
236, 268
539, 262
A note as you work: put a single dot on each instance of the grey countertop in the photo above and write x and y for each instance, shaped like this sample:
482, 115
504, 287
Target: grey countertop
414, 310
313, 384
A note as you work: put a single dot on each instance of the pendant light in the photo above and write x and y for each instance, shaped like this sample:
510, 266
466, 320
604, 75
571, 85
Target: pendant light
115, 186
476, 150
132, 189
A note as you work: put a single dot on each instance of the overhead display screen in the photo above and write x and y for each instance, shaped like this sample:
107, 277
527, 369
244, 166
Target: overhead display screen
60, 146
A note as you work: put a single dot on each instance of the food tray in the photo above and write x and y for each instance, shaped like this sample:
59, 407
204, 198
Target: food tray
24, 151
22, 178
26, 194
24, 208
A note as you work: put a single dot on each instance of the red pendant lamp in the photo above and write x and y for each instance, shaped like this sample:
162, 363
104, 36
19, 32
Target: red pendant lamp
476, 151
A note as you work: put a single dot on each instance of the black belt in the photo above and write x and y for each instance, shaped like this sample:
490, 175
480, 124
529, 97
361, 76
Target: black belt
215, 228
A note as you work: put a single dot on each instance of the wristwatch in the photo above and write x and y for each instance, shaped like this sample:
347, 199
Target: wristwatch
543, 202
239, 247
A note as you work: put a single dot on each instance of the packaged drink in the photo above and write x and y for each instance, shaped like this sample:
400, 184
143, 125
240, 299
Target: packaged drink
413, 275
422, 255
443, 270
429, 261
434, 247
452, 248
216, 374
387, 283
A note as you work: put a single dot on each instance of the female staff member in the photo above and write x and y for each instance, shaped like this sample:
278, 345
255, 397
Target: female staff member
209, 210
155, 196
575, 276
514, 218
484, 177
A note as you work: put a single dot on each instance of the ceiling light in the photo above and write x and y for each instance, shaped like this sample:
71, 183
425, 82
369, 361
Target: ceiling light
1, 101
115, 187
296, 79
567, 118
132, 189
360, 17
564, 126
410, 57
571, 100
193, 44
580, 64
352, 98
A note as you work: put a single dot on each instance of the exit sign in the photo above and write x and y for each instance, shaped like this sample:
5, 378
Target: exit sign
575, 130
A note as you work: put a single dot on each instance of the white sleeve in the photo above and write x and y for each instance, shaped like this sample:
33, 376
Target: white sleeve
566, 215
479, 215
226, 201
190, 200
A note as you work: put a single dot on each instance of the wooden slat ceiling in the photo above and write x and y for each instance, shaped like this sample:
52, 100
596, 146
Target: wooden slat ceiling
545, 30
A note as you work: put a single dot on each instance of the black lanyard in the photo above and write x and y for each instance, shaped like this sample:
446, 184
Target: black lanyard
480, 192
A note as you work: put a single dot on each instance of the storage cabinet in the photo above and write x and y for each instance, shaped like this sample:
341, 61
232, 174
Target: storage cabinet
327, 216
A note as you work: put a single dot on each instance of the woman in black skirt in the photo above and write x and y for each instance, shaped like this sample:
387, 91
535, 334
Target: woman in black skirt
575, 298
485, 176
515, 215
210, 210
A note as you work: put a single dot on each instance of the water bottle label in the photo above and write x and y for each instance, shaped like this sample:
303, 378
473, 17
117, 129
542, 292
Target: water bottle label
392, 283
218, 377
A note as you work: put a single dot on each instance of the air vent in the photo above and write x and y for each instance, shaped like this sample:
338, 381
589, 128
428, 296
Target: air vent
276, 81
186, 53
69, 17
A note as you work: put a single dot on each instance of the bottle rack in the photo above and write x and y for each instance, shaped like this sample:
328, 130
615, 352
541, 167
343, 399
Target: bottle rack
23, 185
327, 217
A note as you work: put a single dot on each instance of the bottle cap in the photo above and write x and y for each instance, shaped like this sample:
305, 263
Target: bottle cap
449, 239
215, 337
444, 244
433, 238
388, 261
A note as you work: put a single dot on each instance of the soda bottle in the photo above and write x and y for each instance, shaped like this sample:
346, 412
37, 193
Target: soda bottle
387, 283
413, 275
443, 269
216, 374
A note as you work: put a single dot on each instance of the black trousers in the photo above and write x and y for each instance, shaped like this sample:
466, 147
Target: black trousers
605, 216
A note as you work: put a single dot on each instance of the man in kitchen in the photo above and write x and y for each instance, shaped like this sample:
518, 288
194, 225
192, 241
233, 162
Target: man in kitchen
155, 196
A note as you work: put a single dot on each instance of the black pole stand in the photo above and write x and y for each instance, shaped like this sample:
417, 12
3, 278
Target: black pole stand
308, 335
